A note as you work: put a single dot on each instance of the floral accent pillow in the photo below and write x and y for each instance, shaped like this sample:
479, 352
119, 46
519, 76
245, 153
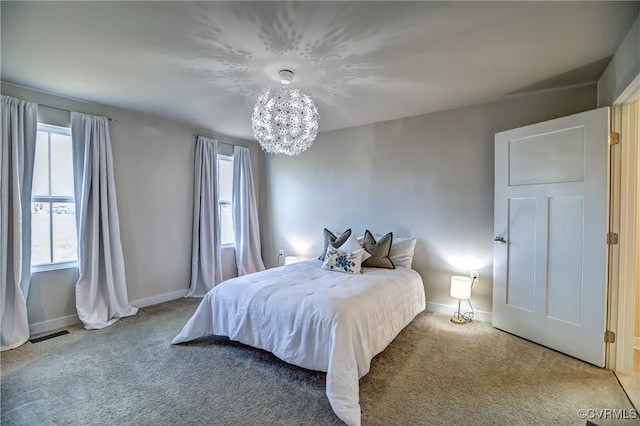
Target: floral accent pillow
349, 262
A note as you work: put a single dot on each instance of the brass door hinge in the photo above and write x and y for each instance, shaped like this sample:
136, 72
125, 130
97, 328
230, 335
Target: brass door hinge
614, 138
609, 337
612, 238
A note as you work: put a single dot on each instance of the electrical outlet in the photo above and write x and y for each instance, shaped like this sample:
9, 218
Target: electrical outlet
281, 253
474, 275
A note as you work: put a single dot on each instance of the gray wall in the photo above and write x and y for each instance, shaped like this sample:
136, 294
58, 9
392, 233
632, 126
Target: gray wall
153, 166
428, 176
623, 68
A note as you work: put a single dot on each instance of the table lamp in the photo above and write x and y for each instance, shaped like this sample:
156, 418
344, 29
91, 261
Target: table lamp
460, 289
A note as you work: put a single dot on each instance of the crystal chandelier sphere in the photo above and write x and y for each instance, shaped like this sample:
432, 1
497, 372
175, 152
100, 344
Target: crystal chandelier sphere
285, 122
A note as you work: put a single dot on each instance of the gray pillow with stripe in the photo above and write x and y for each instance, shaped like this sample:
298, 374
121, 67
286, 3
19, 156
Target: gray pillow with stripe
330, 238
379, 251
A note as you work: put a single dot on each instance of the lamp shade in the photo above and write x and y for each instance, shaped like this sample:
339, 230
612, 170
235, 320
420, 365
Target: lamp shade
460, 287
289, 260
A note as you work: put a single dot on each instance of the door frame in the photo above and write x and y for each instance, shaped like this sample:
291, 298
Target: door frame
624, 213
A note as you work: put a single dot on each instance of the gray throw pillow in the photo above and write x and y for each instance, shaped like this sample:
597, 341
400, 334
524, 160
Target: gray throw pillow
379, 251
336, 242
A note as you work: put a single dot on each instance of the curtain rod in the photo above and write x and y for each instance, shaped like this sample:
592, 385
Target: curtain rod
219, 141
63, 109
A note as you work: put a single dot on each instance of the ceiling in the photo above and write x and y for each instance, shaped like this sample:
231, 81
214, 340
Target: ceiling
205, 63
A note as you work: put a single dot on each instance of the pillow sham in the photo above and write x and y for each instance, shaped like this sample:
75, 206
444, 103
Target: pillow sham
402, 250
379, 251
352, 244
349, 262
331, 239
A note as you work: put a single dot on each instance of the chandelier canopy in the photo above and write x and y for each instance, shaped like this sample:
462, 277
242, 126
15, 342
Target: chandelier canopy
285, 121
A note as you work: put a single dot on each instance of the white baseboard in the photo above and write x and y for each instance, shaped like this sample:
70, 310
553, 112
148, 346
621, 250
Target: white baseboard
44, 326
450, 309
636, 343
161, 298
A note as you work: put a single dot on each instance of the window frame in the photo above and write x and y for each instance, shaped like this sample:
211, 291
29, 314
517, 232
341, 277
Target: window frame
50, 199
229, 158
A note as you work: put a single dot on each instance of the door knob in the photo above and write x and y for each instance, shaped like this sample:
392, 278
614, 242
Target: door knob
499, 240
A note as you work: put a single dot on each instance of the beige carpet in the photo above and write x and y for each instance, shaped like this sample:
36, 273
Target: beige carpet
434, 373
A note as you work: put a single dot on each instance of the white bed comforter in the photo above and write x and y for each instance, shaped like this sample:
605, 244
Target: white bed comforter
313, 318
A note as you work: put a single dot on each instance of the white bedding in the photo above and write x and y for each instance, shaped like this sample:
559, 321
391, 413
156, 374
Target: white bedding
313, 318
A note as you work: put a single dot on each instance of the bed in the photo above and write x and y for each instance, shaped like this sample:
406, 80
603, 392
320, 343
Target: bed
314, 318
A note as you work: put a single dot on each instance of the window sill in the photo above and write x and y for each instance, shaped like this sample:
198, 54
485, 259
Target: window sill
54, 266
228, 246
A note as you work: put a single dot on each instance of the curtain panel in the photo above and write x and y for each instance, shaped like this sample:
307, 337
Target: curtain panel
245, 214
101, 289
17, 156
206, 263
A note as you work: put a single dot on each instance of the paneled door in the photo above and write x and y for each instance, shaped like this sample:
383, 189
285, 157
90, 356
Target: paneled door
550, 223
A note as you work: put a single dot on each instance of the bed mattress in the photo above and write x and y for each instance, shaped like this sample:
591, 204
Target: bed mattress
313, 318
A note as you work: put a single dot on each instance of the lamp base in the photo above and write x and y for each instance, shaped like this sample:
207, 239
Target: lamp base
458, 320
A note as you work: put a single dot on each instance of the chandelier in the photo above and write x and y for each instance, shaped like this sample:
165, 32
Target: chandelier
285, 122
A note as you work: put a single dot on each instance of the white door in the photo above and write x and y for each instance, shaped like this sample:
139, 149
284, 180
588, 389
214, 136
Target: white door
550, 225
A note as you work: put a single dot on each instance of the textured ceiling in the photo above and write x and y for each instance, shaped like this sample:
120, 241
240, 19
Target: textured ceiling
205, 63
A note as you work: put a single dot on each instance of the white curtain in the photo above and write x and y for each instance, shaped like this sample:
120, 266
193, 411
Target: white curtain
245, 214
19, 126
206, 264
101, 290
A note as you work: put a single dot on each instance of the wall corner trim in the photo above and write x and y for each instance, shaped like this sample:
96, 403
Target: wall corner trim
450, 309
161, 298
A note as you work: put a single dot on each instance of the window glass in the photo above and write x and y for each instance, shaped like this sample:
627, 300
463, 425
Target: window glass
62, 165
65, 244
40, 184
40, 233
225, 179
53, 208
225, 196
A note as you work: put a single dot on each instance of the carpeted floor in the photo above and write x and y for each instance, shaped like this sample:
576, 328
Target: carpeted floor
434, 373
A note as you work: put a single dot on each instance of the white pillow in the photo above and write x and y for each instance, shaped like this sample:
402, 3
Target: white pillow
349, 263
402, 249
352, 244
401, 253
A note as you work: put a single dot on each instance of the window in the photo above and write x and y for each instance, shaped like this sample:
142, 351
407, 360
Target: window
225, 194
53, 208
